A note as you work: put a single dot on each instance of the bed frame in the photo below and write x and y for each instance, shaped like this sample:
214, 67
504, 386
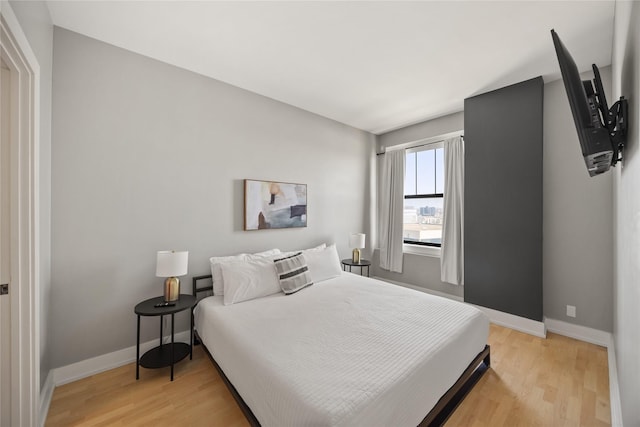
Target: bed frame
436, 417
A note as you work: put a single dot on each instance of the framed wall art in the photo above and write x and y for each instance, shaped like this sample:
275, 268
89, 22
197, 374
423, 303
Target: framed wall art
270, 204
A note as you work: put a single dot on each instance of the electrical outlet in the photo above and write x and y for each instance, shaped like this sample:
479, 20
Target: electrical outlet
571, 310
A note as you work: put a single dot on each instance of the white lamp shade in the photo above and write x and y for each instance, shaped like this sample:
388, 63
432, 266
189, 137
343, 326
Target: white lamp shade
356, 240
172, 263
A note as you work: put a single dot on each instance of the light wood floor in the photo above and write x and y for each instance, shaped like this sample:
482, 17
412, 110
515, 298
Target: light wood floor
532, 382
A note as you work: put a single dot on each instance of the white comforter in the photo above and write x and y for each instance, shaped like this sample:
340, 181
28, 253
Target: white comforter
349, 351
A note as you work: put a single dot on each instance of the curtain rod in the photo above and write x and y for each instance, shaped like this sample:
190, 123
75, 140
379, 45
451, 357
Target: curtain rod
422, 145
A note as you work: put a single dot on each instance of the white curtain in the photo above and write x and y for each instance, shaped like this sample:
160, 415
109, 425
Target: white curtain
391, 210
452, 250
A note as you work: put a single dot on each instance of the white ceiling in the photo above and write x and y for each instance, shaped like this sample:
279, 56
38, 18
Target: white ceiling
376, 66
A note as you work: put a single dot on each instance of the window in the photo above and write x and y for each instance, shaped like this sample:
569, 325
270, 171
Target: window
424, 195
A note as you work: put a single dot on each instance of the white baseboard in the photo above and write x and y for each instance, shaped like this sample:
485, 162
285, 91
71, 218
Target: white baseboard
45, 398
522, 324
95, 365
518, 323
582, 333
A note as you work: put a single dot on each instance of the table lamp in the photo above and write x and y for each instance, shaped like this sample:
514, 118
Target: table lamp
356, 241
171, 264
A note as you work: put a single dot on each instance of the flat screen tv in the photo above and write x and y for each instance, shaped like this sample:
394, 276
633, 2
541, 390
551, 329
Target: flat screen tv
601, 131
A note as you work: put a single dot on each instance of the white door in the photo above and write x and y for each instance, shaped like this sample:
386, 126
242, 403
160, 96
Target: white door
5, 261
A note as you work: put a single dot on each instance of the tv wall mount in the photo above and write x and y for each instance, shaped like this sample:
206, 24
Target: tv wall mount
615, 118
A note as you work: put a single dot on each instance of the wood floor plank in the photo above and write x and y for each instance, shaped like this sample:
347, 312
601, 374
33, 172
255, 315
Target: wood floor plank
554, 382
532, 381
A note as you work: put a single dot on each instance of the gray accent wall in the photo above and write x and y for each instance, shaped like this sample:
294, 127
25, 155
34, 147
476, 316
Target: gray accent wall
35, 22
626, 289
149, 157
503, 199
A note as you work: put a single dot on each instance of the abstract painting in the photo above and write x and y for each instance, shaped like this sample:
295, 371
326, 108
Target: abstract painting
269, 204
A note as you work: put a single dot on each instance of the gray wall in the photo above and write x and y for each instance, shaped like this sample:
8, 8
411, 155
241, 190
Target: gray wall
575, 208
35, 22
419, 270
626, 82
503, 199
150, 157
577, 212
441, 125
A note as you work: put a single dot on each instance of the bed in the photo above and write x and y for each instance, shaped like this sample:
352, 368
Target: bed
347, 351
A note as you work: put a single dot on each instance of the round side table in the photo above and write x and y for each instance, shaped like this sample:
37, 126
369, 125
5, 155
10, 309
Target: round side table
164, 354
362, 264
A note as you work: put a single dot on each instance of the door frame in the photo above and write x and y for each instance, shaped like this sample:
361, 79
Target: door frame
25, 238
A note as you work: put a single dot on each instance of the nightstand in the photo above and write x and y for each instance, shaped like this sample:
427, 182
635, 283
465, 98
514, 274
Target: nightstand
170, 353
349, 263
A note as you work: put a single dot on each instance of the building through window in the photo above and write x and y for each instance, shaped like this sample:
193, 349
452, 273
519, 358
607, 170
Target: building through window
424, 195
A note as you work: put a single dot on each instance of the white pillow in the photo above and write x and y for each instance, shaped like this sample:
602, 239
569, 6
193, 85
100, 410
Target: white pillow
304, 251
216, 274
323, 264
268, 253
317, 248
246, 280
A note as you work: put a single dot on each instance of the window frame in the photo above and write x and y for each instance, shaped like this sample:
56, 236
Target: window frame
411, 246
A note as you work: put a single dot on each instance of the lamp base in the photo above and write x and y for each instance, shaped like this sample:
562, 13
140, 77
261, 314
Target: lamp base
356, 256
171, 289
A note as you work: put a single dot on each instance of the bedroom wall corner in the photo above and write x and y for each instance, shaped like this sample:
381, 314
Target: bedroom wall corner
577, 242
149, 157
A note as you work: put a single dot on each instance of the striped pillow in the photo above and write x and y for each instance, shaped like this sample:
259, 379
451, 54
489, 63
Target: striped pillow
293, 273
